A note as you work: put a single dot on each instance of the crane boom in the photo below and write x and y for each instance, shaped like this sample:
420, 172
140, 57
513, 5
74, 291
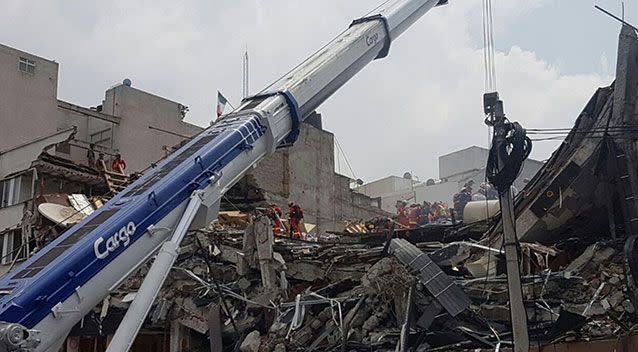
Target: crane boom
44, 297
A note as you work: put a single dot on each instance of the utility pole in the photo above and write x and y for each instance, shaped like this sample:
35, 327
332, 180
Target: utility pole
510, 147
506, 158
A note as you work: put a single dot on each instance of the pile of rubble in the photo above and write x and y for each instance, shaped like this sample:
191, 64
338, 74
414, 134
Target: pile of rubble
252, 291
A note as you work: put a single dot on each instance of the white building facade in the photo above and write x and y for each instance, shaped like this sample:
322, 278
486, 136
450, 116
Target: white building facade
455, 170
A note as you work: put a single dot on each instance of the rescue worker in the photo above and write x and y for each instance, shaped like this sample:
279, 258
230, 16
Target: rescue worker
402, 212
424, 216
440, 212
468, 185
460, 201
413, 215
118, 164
481, 194
424, 210
275, 214
90, 155
445, 210
294, 218
100, 162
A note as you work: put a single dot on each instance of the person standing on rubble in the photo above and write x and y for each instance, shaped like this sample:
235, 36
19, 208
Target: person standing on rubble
100, 163
275, 214
460, 201
295, 216
468, 185
90, 155
118, 164
481, 194
421, 216
402, 214
413, 215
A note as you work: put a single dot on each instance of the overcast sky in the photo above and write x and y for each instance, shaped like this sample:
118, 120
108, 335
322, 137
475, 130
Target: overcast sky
399, 114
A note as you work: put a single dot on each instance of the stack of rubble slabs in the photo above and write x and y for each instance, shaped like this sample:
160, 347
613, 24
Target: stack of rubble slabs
416, 295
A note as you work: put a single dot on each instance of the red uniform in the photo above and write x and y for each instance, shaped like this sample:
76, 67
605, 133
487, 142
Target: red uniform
295, 215
413, 216
275, 214
118, 165
403, 217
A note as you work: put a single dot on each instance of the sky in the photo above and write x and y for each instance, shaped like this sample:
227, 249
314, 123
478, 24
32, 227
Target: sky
399, 114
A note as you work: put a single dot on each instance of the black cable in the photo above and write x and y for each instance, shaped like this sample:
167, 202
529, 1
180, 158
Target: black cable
217, 287
511, 148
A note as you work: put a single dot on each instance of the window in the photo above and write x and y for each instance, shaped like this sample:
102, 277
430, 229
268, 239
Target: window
16, 190
11, 246
27, 65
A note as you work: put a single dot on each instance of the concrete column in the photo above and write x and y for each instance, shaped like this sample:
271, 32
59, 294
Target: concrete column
180, 338
265, 239
248, 250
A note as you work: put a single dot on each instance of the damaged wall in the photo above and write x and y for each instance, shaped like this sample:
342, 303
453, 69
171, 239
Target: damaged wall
304, 174
586, 179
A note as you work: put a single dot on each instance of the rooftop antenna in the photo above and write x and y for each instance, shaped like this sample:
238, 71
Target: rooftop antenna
244, 88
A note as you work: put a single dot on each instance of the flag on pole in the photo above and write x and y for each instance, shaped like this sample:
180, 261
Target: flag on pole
221, 103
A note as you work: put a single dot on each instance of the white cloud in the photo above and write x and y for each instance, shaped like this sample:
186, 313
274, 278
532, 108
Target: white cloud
398, 114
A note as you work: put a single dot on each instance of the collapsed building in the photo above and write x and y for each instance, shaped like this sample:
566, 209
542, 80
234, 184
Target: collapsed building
437, 288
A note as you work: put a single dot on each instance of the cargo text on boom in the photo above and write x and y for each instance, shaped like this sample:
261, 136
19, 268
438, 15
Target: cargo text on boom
112, 243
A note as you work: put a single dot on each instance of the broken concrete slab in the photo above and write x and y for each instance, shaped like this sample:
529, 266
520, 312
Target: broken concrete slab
251, 343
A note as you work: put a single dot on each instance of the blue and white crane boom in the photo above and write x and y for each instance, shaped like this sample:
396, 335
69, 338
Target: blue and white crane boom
44, 297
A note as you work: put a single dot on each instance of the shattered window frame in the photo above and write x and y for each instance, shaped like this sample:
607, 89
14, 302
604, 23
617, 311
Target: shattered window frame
10, 244
17, 189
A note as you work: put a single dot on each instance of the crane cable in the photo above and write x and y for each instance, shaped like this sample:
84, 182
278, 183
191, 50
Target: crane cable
488, 47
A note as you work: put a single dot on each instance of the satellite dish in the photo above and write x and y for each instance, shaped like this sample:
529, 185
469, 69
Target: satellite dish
59, 214
126, 82
430, 182
407, 176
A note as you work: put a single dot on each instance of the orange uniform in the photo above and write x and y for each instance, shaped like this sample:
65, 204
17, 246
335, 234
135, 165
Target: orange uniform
295, 216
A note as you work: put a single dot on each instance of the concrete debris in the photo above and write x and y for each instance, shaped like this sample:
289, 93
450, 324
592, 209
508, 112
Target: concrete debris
251, 342
418, 295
